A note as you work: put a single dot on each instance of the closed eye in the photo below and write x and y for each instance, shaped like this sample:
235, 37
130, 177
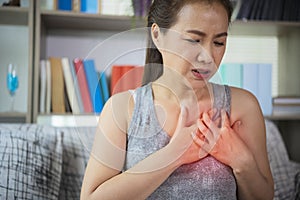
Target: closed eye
219, 43
193, 41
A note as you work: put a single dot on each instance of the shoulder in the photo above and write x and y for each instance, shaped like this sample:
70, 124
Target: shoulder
244, 104
117, 109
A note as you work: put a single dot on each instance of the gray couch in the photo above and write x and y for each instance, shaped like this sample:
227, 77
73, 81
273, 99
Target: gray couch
43, 162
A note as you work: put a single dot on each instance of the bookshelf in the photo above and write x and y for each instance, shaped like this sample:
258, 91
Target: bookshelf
89, 27
16, 24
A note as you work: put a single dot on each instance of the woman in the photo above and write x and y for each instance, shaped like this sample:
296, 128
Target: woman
179, 136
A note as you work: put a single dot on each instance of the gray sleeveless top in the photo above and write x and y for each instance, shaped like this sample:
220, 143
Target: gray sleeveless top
205, 179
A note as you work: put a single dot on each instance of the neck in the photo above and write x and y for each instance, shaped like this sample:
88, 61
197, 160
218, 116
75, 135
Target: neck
174, 88
172, 84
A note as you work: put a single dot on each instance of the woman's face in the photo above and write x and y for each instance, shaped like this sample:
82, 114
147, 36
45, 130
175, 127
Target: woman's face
195, 45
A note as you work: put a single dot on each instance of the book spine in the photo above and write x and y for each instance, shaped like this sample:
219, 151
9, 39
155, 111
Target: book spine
64, 5
76, 88
104, 86
43, 79
57, 85
70, 86
90, 6
83, 86
232, 74
265, 88
48, 87
93, 85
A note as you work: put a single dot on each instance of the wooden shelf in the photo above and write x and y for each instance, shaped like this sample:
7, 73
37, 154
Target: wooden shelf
73, 20
14, 15
12, 117
69, 120
283, 117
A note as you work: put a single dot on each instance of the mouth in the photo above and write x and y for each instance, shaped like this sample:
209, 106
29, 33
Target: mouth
201, 73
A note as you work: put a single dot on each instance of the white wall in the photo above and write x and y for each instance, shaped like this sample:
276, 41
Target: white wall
14, 48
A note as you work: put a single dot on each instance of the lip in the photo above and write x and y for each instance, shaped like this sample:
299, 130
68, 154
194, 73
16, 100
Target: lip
201, 73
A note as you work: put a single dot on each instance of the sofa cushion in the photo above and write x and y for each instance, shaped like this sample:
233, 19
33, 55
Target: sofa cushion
284, 171
31, 160
77, 143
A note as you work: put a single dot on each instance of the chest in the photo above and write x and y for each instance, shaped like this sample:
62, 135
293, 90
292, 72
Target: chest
168, 114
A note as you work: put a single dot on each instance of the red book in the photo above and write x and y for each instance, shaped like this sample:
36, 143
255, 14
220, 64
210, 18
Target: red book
83, 86
125, 78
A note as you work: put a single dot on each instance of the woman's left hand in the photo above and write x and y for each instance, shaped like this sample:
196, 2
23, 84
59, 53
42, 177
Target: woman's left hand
221, 141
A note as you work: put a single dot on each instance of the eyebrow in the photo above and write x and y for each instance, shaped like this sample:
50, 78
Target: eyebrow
200, 33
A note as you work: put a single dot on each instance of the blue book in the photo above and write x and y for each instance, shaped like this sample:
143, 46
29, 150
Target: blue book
250, 77
257, 78
93, 85
232, 74
104, 86
64, 4
89, 6
265, 88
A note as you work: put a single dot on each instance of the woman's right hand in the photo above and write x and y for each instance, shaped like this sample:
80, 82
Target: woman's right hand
184, 148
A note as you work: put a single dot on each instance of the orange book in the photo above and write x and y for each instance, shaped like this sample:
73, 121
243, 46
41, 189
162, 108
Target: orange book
126, 77
57, 85
83, 86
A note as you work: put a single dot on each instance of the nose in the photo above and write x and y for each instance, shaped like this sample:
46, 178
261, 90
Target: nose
205, 54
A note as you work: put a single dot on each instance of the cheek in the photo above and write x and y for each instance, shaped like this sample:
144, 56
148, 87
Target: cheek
218, 55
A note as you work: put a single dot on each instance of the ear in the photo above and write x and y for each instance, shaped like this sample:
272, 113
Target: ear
155, 34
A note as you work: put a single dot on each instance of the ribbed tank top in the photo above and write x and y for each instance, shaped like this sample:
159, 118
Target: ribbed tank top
205, 179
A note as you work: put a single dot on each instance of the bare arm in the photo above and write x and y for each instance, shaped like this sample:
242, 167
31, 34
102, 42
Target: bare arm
254, 173
103, 178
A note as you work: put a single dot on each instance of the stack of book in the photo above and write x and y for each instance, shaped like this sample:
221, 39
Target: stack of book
276, 10
76, 86
106, 7
286, 106
254, 77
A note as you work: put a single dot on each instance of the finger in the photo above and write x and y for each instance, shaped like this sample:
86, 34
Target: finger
196, 139
236, 126
204, 130
212, 112
216, 114
211, 125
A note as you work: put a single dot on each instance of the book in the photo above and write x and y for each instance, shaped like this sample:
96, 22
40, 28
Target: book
83, 86
76, 88
76, 5
125, 77
265, 87
93, 85
231, 74
43, 86
257, 78
286, 100
104, 86
117, 73
69, 82
57, 85
90, 6
255, 10
48, 87
286, 110
48, 4
64, 5
245, 10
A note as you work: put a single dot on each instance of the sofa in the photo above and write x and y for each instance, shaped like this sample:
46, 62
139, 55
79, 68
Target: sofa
44, 162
